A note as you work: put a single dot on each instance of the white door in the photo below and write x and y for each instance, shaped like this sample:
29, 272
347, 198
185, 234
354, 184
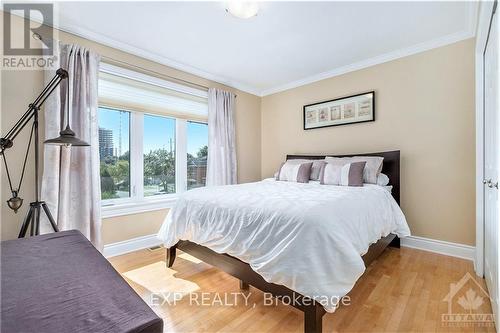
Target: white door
491, 162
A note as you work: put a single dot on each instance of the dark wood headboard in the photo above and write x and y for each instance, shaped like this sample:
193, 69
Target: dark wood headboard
390, 166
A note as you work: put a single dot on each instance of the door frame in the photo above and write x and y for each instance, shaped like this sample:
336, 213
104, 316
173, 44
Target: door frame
483, 27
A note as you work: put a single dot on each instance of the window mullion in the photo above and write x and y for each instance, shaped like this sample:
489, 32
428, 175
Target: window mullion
137, 156
180, 155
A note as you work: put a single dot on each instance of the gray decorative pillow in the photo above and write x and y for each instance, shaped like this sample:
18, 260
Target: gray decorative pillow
295, 172
316, 169
372, 169
316, 166
350, 174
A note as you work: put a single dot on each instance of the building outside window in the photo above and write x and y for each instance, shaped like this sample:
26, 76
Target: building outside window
106, 147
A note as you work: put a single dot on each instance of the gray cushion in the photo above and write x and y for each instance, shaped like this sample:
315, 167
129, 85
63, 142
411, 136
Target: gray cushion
350, 174
372, 169
60, 283
315, 169
295, 172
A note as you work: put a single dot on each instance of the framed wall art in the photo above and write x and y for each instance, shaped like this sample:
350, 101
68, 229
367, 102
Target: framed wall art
358, 108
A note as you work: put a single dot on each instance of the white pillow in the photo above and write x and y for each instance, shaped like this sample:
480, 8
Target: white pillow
372, 169
382, 179
316, 166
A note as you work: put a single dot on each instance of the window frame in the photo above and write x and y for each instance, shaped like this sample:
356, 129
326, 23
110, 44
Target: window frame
137, 202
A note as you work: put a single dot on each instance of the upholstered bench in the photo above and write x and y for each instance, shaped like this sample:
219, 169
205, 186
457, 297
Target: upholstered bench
60, 283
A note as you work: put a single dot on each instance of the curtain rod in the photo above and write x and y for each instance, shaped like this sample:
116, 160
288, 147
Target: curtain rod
145, 70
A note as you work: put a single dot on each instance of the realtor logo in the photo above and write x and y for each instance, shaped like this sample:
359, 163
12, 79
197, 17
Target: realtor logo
39, 17
28, 36
468, 304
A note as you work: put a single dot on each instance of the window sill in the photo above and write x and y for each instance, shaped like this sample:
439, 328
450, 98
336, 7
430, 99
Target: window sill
136, 207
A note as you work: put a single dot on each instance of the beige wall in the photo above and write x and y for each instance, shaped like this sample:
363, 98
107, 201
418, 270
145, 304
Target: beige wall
424, 107
21, 87
120, 228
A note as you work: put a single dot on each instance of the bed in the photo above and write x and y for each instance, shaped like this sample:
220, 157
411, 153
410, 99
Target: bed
290, 239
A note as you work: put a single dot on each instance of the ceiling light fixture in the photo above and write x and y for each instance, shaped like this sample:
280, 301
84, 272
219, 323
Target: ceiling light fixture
243, 9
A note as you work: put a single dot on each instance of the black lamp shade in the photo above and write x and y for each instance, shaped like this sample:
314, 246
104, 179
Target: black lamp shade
67, 138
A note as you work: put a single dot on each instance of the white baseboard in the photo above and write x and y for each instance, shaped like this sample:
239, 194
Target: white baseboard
415, 242
438, 246
130, 245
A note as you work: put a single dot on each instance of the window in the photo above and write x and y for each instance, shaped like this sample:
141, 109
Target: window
197, 152
153, 140
114, 153
159, 155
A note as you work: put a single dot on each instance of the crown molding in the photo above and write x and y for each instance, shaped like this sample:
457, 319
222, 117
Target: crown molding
104, 40
467, 33
450, 39
125, 47
418, 48
422, 47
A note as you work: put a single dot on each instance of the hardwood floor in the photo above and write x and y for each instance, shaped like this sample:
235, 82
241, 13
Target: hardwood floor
403, 291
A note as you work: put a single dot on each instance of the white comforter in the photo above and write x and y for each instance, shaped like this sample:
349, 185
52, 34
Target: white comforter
308, 237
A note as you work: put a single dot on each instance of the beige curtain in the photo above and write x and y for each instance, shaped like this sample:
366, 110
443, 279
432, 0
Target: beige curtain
71, 181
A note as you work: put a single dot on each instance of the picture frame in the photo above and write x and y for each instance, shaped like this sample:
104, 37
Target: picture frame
354, 109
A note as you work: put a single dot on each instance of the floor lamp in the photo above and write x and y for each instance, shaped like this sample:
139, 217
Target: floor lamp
66, 137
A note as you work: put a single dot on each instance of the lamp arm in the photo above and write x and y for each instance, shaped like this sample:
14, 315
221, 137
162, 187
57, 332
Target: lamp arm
8, 140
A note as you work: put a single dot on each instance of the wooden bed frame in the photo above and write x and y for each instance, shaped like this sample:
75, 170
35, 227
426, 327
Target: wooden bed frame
313, 311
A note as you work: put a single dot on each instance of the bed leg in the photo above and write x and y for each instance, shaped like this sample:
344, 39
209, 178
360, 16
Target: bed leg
170, 256
396, 242
244, 285
313, 318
